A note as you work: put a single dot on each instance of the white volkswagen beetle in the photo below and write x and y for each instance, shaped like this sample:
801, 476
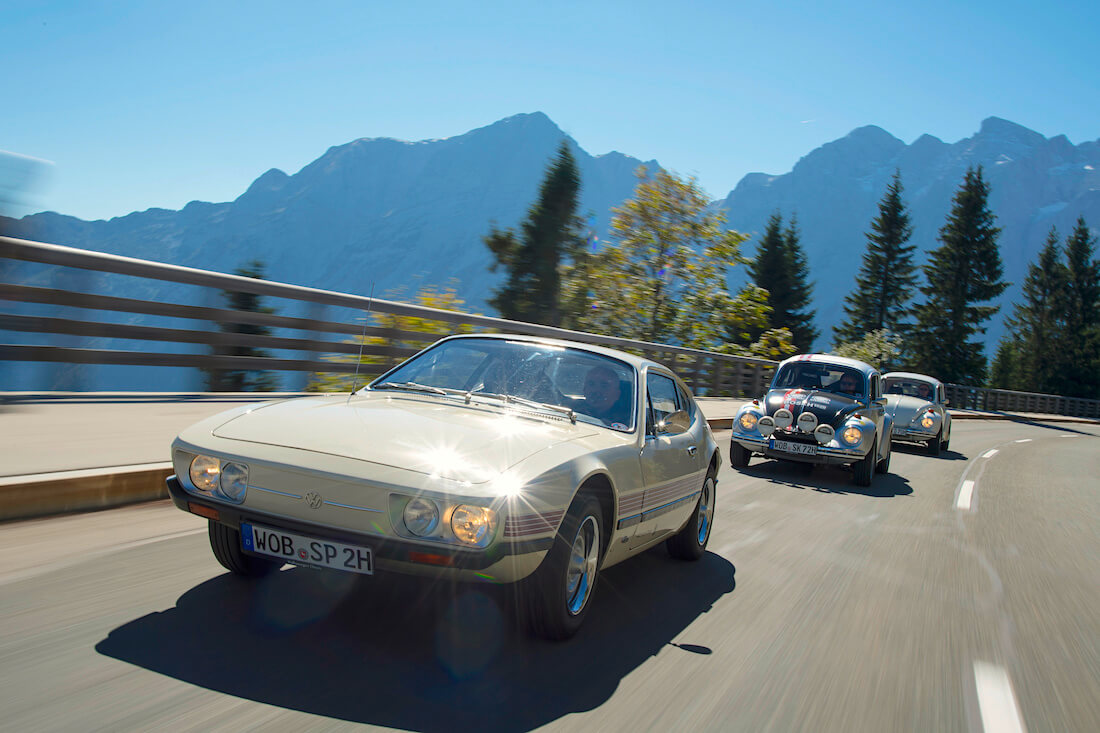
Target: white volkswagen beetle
918, 405
507, 459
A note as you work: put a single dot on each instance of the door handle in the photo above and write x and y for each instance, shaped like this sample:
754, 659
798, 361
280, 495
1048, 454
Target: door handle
692, 450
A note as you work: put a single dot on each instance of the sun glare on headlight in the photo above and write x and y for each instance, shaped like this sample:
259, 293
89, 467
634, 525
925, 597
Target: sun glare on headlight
472, 524
204, 472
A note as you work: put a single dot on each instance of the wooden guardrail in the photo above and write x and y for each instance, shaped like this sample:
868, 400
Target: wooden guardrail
77, 313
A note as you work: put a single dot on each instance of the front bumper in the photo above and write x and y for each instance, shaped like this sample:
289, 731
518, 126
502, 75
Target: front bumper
825, 455
912, 435
504, 561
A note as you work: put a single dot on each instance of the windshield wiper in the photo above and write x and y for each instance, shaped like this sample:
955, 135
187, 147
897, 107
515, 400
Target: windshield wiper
567, 411
412, 387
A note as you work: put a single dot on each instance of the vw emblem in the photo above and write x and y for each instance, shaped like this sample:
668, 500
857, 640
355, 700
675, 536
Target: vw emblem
314, 500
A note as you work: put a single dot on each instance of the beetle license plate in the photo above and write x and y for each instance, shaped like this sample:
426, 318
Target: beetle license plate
898, 431
309, 551
802, 449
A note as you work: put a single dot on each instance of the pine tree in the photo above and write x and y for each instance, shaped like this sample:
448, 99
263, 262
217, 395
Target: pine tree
243, 380
885, 282
964, 272
1081, 348
780, 268
1037, 326
531, 291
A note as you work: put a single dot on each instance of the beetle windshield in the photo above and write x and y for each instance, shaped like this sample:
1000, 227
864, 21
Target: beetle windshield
814, 375
597, 388
909, 387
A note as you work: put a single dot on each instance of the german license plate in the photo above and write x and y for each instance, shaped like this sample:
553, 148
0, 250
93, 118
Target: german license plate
802, 449
899, 431
310, 551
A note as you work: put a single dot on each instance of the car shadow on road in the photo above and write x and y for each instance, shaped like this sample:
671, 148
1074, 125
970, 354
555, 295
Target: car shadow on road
826, 479
915, 449
388, 652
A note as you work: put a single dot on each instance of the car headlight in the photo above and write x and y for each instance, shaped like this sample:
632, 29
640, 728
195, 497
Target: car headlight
851, 435
473, 524
204, 473
233, 481
928, 421
824, 434
783, 418
748, 420
421, 516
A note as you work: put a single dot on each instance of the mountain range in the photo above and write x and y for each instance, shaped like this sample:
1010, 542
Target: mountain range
392, 216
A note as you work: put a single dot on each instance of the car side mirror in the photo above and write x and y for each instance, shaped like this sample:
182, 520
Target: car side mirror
880, 401
946, 401
676, 423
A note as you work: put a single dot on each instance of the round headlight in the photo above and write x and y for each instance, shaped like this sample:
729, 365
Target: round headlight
783, 418
473, 524
928, 420
204, 472
234, 481
807, 421
851, 435
824, 433
748, 420
421, 517
765, 425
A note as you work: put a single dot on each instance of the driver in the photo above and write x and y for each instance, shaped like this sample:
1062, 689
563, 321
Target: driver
924, 391
849, 384
603, 396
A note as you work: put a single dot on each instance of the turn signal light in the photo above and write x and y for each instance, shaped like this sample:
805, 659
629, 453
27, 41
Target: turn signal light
430, 559
202, 511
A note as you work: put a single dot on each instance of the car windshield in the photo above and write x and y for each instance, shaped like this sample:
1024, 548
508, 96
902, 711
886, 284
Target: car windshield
596, 388
814, 375
909, 387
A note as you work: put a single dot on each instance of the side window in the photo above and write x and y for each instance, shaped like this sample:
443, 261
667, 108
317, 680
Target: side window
661, 393
685, 402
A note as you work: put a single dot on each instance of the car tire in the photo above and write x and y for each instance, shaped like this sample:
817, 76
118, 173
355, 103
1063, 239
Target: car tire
226, 544
934, 445
884, 464
864, 469
690, 543
739, 455
559, 594
946, 443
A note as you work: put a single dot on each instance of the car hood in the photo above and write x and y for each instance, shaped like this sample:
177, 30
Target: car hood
904, 408
829, 408
427, 435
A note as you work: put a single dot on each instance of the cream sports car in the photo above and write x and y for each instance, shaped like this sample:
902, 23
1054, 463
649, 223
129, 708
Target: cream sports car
919, 407
506, 459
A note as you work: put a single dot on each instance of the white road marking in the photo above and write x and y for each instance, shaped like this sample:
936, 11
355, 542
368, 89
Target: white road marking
1071, 436
990, 453
964, 495
1025, 440
997, 702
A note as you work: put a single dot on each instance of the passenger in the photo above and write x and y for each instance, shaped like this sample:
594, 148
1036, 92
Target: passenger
604, 397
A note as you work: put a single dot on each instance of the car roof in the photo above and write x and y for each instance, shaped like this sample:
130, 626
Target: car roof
912, 375
637, 362
830, 359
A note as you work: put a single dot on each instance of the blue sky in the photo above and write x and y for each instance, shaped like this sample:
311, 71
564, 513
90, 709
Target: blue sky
139, 105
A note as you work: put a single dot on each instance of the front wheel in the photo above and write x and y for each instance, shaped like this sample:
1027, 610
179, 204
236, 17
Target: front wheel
934, 445
690, 543
884, 464
864, 468
739, 455
226, 544
560, 591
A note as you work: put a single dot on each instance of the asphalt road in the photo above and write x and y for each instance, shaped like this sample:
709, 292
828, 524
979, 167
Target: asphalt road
820, 607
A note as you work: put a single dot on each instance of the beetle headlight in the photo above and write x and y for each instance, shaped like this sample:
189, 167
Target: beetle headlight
421, 516
473, 524
233, 481
204, 473
748, 420
851, 435
928, 420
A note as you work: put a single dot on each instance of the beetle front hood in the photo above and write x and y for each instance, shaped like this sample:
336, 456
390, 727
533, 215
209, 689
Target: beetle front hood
828, 407
904, 408
423, 434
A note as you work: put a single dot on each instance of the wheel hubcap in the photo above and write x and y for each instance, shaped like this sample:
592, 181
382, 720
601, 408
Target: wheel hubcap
706, 509
580, 574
